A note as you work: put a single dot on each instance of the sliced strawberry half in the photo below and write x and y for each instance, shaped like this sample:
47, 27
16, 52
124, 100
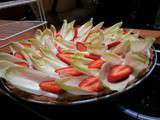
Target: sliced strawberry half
80, 46
91, 84
69, 71
92, 56
118, 73
19, 55
75, 34
27, 45
50, 86
113, 44
65, 57
22, 64
96, 64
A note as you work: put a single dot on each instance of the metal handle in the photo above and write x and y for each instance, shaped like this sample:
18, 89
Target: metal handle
158, 52
137, 115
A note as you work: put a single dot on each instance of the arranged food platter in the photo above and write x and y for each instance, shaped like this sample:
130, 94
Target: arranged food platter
76, 65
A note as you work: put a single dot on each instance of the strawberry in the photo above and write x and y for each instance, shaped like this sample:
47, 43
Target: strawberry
50, 86
19, 55
69, 71
22, 64
118, 73
96, 64
75, 34
92, 56
113, 44
91, 84
65, 57
27, 45
80, 46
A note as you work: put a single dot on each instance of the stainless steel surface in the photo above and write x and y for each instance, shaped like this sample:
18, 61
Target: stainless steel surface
15, 28
14, 3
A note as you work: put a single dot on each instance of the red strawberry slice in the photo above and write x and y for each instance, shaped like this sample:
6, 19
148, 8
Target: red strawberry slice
75, 34
19, 55
27, 45
92, 56
113, 44
118, 73
91, 84
96, 64
65, 57
22, 64
59, 49
80, 46
69, 71
50, 86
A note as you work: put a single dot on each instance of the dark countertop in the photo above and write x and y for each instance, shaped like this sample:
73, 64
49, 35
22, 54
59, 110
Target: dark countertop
20, 111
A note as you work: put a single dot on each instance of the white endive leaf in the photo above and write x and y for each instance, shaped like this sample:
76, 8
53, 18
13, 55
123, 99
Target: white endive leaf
138, 61
82, 38
38, 34
122, 48
4, 65
112, 57
53, 29
85, 27
11, 58
44, 65
16, 47
64, 28
142, 45
120, 86
113, 28
94, 43
27, 80
80, 66
70, 35
97, 27
71, 85
48, 38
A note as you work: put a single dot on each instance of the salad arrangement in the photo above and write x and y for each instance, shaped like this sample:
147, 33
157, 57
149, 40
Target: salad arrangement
84, 60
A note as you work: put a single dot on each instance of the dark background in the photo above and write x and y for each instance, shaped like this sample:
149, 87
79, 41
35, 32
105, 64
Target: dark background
134, 13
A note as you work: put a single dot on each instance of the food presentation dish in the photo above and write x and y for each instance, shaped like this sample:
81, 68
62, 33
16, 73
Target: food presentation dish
77, 64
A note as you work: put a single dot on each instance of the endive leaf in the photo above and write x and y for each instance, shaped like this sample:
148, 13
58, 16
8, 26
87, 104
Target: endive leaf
97, 27
113, 28
71, 86
85, 27
16, 47
80, 57
44, 65
47, 39
64, 28
53, 29
138, 61
122, 48
11, 58
38, 34
4, 65
80, 66
95, 43
27, 80
142, 45
120, 86
112, 57
40, 63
